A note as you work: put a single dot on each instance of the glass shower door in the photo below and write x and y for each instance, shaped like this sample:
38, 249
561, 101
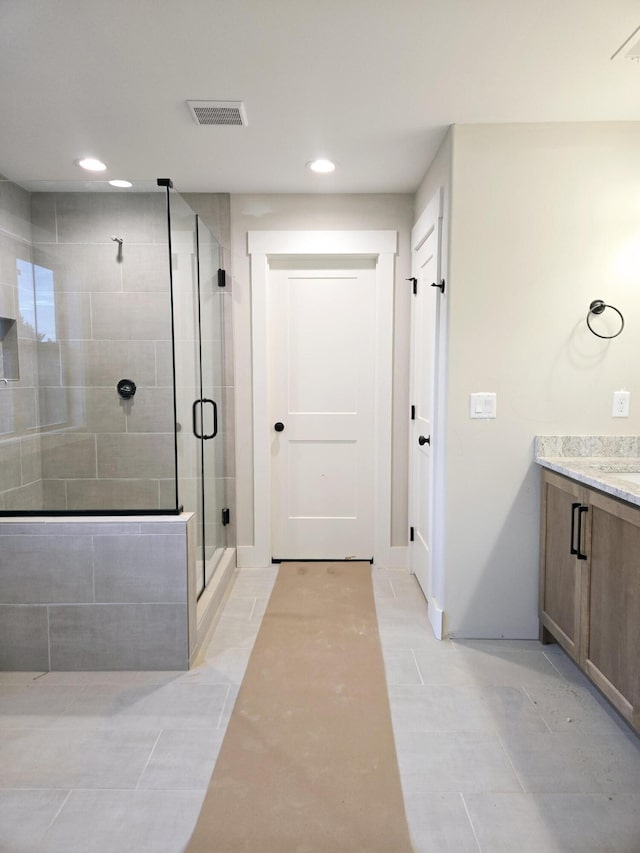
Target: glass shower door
198, 368
211, 373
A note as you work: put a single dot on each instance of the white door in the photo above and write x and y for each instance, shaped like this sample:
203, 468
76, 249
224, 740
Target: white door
423, 371
322, 371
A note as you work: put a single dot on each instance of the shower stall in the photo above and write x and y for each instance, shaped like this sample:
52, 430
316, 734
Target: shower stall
113, 406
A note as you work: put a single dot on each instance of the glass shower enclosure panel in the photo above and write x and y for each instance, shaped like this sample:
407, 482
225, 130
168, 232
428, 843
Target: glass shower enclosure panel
198, 365
86, 382
211, 372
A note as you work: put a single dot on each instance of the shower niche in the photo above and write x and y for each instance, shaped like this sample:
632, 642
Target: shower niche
9, 364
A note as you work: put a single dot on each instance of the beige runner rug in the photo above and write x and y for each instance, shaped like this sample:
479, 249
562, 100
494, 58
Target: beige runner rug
308, 762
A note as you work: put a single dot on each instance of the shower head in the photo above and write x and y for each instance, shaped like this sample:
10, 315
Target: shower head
118, 240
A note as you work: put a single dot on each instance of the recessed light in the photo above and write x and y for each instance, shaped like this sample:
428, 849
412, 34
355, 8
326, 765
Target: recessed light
91, 164
118, 183
321, 166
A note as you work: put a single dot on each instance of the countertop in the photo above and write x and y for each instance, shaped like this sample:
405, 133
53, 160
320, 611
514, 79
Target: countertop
599, 462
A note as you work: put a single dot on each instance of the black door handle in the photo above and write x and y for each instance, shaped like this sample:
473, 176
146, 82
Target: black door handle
194, 409
279, 426
424, 440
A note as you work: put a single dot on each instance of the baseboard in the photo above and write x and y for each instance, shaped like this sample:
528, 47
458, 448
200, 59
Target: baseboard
396, 559
248, 557
436, 618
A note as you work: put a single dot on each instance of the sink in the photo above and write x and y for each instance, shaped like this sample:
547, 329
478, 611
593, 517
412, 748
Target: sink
630, 477
618, 468
627, 471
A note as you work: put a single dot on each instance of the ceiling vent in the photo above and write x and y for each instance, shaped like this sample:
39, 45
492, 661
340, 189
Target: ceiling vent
218, 112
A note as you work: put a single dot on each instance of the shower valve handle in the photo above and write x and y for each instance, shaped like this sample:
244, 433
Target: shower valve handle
126, 388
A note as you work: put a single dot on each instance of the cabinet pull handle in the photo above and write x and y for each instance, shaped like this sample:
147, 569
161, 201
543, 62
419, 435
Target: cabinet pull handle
572, 548
581, 510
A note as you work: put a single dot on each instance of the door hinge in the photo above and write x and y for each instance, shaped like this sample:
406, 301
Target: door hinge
440, 286
226, 516
412, 534
222, 278
413, 413
415, 283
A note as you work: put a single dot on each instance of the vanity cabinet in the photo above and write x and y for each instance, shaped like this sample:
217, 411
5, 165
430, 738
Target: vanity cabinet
563, 580
590, 586
612, 653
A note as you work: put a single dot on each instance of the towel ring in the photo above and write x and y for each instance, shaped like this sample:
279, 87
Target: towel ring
597, 307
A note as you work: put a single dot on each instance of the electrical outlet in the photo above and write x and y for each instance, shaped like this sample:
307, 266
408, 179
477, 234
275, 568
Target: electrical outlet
621, 404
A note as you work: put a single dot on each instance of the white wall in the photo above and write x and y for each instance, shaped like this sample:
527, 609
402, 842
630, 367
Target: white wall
318, 212
544, 219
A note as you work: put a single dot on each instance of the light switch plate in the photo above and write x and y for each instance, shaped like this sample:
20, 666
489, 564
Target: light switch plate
482, 404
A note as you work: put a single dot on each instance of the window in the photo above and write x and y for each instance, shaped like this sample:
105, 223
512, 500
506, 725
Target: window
37, 300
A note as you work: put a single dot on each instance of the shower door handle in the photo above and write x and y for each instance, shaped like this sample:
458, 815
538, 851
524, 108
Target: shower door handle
215, 419
196, 403
201, 403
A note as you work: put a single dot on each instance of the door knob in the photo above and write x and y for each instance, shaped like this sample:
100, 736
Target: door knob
279, 426
422, 440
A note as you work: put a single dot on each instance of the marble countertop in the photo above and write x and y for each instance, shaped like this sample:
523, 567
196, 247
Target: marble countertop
600, 462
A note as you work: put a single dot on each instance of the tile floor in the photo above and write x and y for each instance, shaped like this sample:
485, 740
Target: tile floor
503, 746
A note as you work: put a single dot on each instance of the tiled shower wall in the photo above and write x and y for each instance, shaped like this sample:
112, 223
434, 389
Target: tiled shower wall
20, 461
113, 321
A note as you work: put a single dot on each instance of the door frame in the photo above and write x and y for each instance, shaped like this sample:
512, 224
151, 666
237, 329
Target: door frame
262, 245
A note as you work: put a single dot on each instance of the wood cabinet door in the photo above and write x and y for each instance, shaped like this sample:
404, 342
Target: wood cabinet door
561, 573
613, 644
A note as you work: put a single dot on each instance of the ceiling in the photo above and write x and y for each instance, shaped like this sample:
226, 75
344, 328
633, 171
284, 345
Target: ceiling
372, 84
